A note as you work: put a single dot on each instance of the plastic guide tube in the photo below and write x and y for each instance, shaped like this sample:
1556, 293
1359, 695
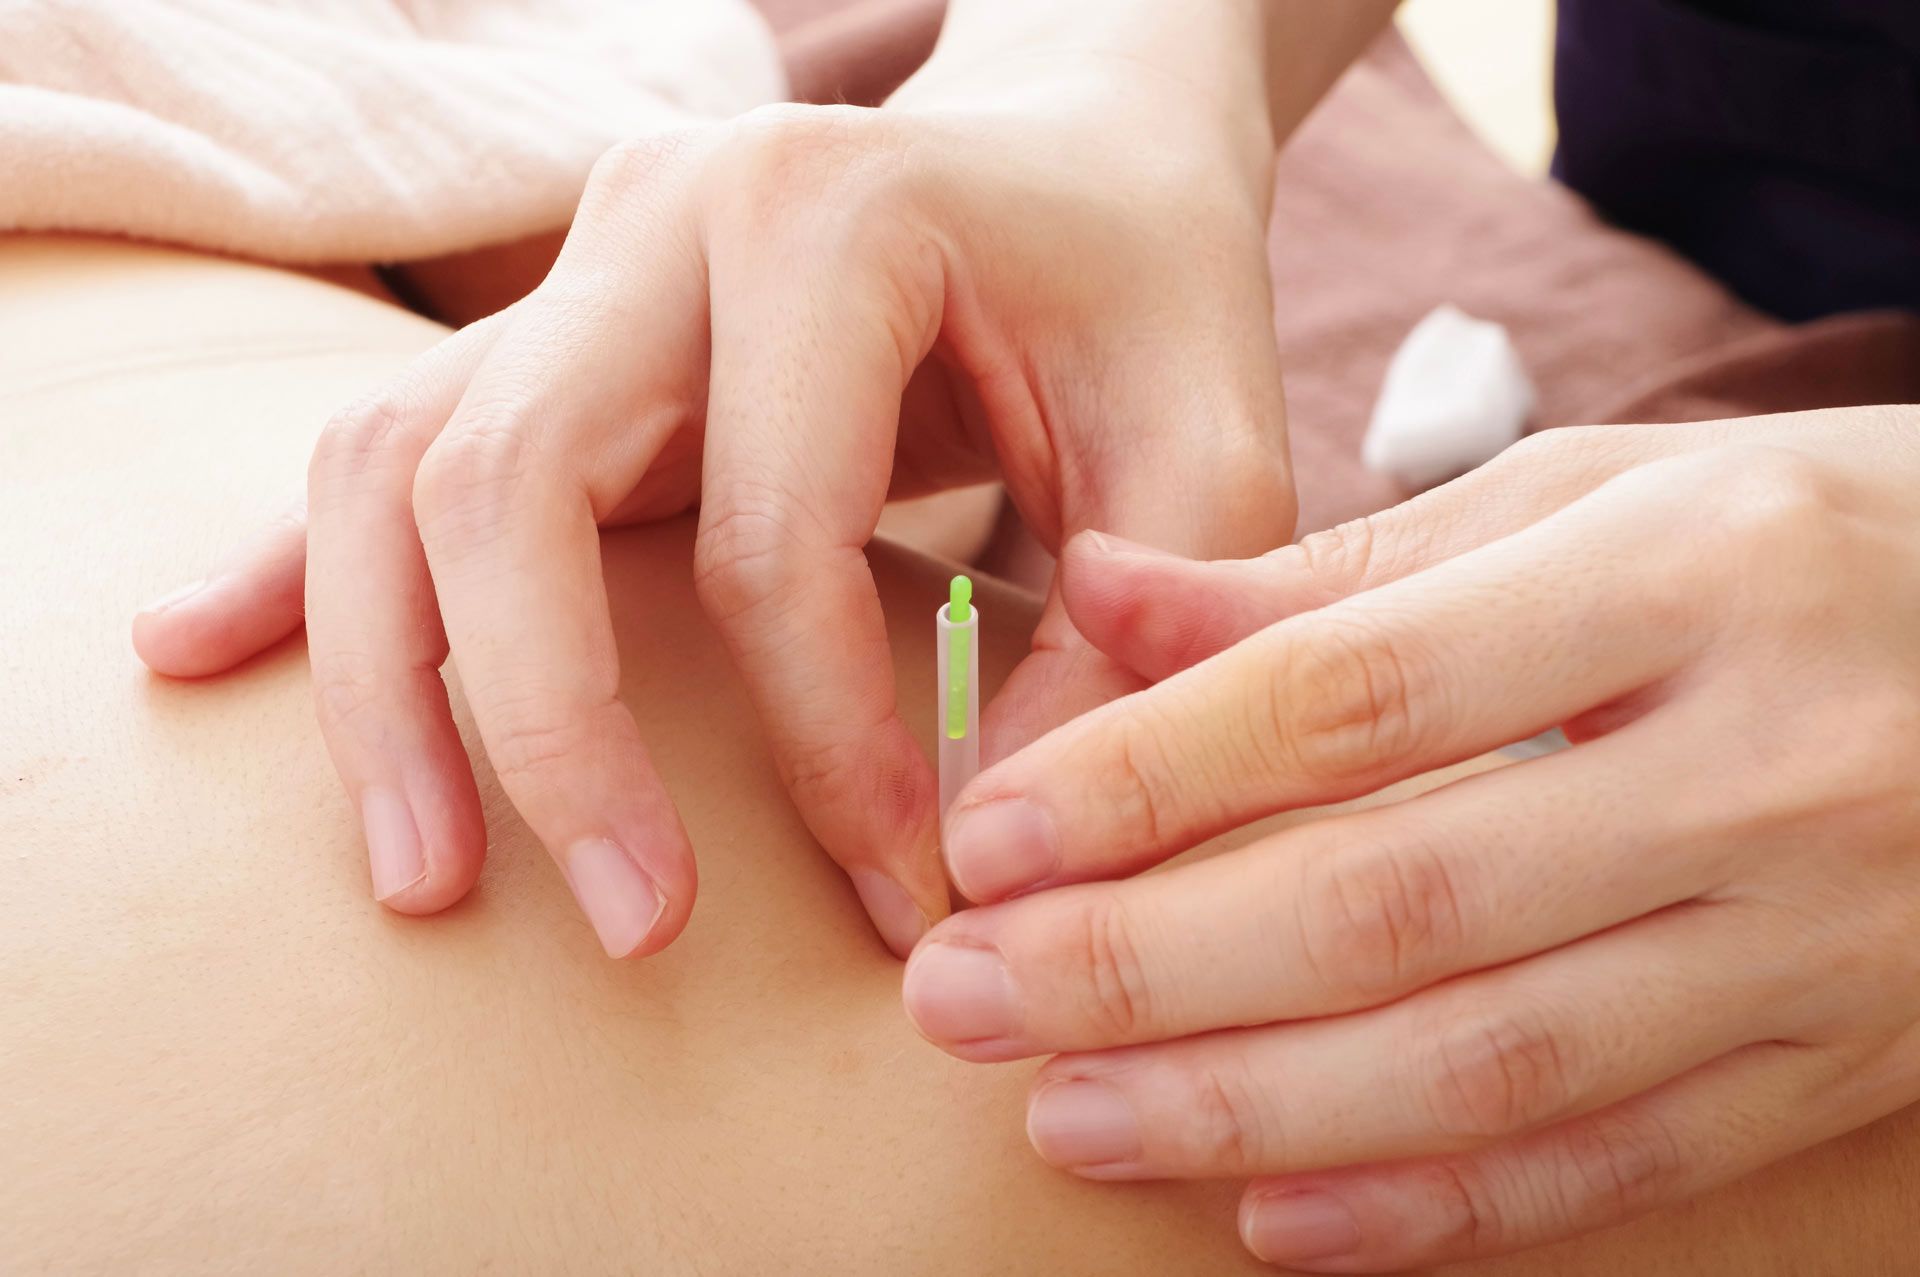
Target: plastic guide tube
956, 627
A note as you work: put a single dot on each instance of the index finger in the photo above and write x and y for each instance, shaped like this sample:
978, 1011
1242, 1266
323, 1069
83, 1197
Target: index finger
809, 364
1494, 646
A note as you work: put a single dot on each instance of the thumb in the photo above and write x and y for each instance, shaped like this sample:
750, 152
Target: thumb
1157, 613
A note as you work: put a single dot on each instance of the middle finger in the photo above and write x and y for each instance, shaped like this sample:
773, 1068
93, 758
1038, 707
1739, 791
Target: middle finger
1343, 913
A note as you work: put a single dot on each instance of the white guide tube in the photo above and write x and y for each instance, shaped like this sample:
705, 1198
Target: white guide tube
958, 663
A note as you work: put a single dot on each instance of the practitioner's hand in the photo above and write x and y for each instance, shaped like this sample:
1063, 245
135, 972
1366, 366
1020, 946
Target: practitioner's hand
1046, 268
1533, 1002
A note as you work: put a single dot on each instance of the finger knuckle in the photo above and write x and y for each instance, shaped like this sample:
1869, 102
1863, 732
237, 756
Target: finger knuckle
356, 693
1253, 492
471, 479
1342, 553
785, 159
346, 687
1348, 702
823, 773
1616, 1166
1229, 1127
1106, 951
634, 221
747, 556
1469, 1217
637, 164
1576, 457
1857, 787
1377, 916
1542, 447
1866, 779
364, 437
529, 743
1574, 448
1137, 768
1497, 1072
1765, 500
862, 799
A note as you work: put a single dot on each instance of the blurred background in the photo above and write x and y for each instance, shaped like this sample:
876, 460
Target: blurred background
1493, 59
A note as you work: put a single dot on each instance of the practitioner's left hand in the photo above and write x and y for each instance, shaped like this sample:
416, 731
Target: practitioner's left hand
1032, 264
1531, 1003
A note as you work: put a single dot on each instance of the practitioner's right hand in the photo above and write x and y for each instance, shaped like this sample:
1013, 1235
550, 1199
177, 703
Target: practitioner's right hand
1047, 268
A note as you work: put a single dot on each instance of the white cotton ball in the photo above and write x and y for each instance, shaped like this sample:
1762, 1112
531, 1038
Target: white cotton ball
1454, 396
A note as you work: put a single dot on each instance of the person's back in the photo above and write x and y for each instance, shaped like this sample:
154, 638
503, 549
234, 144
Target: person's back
220, 1055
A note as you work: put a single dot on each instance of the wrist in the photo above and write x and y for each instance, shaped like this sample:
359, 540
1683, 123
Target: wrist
1307, 45
1197, 68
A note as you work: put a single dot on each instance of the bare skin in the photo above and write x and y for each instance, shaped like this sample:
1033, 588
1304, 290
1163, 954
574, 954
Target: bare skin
221, 1055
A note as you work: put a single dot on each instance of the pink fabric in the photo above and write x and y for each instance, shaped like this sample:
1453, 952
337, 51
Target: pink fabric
1386, 205
347, 130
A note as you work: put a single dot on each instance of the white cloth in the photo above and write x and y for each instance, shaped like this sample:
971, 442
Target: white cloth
1455, 395
347, 130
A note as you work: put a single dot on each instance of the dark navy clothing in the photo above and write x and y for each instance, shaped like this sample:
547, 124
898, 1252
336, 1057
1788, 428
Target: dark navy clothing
1774, 142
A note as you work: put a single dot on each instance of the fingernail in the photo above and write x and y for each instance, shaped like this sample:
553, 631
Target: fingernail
393, 842
895, 916
172, 597
958, 993
1082, 1123
1000, 847
1299, 1228
615, 893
